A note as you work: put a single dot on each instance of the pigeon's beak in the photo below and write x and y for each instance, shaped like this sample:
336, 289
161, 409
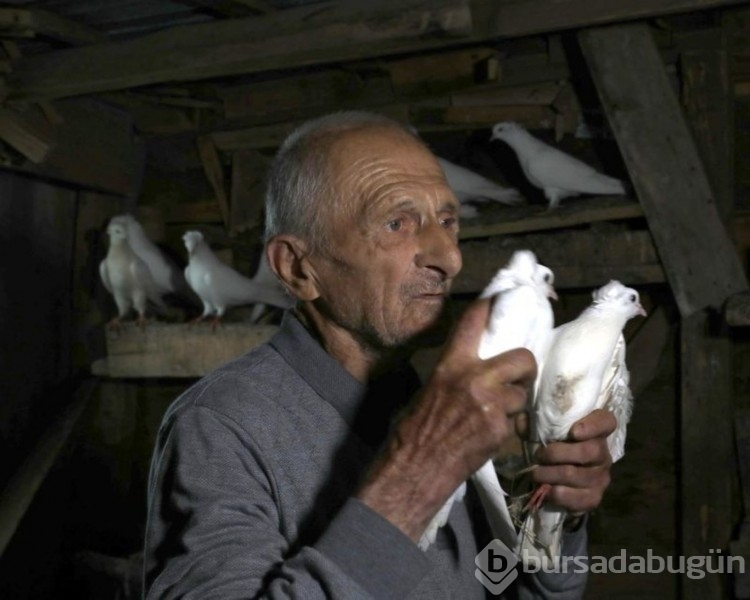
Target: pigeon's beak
552, 293
642, 311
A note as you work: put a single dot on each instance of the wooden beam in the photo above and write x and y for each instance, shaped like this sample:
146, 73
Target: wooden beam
215, 174
737, 310
248, 190
296, 37
318, 34
504, 220
20, 490
33, 140
706, 449
176, 349
578, 258
698, 255
47, 24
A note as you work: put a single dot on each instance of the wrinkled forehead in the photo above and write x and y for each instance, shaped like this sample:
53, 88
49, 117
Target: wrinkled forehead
367, 163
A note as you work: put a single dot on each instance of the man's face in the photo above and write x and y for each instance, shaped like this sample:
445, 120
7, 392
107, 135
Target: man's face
392, 248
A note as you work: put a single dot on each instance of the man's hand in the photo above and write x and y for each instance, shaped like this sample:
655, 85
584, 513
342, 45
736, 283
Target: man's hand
455, 425
578, 468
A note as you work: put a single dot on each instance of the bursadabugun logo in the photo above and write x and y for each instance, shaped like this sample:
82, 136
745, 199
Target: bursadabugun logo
496, 567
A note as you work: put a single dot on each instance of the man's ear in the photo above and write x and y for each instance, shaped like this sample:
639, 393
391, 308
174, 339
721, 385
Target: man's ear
288, 258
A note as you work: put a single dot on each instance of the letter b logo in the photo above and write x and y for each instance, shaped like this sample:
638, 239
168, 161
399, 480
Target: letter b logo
496, 567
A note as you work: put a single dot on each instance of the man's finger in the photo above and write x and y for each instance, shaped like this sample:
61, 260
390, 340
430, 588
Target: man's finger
514, 366
464, 340
599, 423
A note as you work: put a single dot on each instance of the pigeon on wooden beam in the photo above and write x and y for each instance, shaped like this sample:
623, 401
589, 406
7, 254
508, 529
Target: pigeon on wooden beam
127, 277
471, 188
584, 369
521, 316
220, 287
558, 174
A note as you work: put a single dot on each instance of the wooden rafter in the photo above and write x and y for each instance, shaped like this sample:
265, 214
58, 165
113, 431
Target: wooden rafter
28, 23
313, 35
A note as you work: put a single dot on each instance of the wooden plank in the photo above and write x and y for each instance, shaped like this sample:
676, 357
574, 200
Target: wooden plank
706, 449
296, 37
700, 261
207, 211
177, 350
709, 106
332, 88
539, 94
437, 72
20, 490
248, 190
215, 174
32, 139
503, 220
578, 258
93, 146
529, 17
310, 35
47, 24
532, 117
737, 310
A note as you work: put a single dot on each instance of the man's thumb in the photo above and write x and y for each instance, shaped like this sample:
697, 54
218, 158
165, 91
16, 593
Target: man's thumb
464, 340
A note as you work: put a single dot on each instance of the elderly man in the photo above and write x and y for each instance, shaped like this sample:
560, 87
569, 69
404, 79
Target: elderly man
311, 466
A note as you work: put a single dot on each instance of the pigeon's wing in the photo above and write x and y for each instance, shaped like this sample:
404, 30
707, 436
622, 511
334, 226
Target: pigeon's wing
104, 274
616, 396
551, 168
142, 276
492, 497
441, 518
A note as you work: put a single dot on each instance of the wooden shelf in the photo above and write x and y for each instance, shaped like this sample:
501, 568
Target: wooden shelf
495, 219
176, 349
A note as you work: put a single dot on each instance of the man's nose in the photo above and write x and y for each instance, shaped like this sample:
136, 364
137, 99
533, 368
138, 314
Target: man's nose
438, 249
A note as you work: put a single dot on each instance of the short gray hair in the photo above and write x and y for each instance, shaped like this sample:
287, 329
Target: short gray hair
300, 178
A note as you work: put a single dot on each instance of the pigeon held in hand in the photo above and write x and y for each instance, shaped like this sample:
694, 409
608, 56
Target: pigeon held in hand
584, 369
521, 316
558, 174
220, 287
127, 277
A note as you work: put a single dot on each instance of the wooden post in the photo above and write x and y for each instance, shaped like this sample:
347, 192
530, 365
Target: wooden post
699, 258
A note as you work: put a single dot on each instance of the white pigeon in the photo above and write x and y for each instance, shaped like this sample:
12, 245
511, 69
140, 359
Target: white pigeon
127, 277
471, 187
220, 287
521, 316
167, 276
558, 174
584, 370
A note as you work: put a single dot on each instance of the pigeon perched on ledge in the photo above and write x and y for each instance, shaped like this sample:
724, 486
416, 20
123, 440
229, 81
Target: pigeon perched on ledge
558, 174
220, 287
471, 187
584, 369
127, 277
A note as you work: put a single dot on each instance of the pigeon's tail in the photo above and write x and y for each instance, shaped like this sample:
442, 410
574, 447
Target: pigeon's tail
494, 193
605, 185
541, 536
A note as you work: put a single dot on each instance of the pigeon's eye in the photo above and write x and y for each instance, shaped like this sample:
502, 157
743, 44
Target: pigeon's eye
633, 298
547, 278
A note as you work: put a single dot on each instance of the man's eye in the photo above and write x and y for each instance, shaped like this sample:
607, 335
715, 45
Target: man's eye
449, 222
395, 225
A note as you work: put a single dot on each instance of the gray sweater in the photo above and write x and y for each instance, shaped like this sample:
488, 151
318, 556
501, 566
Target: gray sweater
250, 493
